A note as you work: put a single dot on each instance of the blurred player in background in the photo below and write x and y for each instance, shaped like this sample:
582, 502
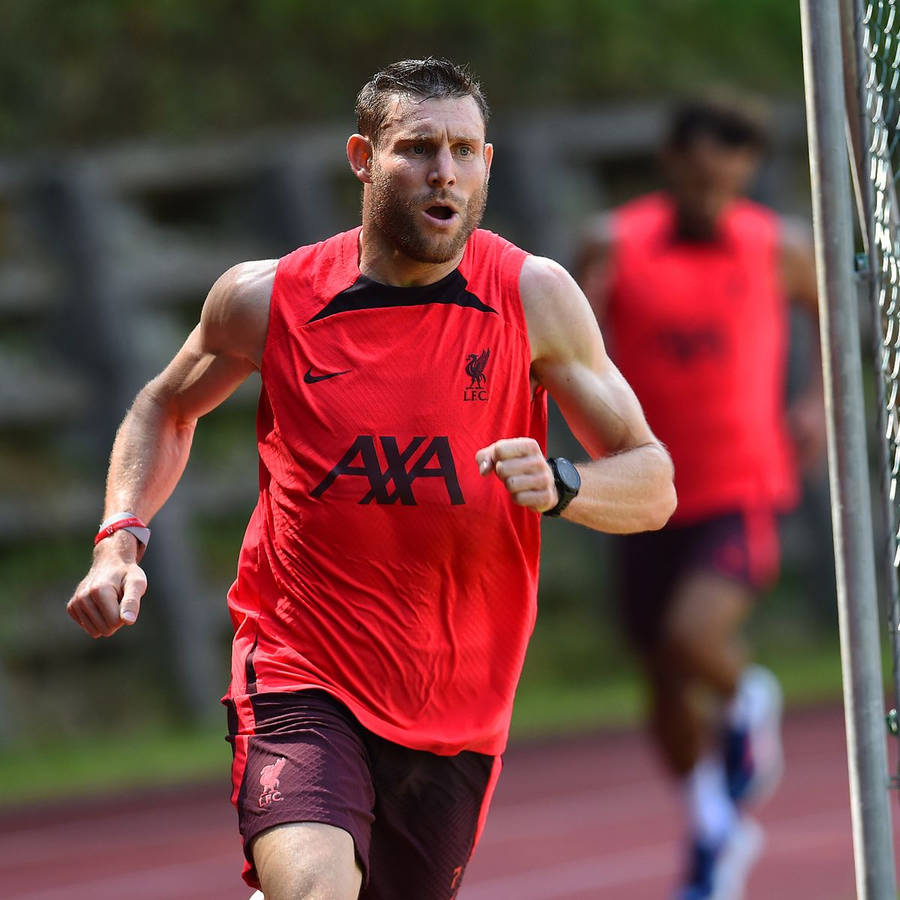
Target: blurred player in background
691, 286
387, 582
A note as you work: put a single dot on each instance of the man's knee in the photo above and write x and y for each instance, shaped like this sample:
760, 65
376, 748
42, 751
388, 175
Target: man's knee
704, 617
685, 640
306, 861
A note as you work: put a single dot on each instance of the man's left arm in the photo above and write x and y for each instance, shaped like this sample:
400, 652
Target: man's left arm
806, 414
627, 485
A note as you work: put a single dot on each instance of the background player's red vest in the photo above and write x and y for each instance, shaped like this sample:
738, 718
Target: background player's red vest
699, 330
378, 564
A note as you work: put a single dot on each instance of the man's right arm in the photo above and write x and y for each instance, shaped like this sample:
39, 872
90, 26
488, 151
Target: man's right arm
153, 442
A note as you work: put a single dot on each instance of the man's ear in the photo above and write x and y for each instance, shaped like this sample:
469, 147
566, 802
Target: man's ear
488, 157
359, 153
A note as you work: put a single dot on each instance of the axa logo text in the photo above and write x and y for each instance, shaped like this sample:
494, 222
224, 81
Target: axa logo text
393, 481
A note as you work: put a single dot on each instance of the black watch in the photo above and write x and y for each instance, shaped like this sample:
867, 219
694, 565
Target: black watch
568, 483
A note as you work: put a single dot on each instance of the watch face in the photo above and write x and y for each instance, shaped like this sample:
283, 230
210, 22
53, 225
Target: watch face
568, 474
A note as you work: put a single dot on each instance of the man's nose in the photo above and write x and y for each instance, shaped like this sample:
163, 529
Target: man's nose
443, 171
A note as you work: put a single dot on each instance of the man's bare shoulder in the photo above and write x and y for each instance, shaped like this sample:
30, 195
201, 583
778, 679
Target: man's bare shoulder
236, 312
557, 314
244, 289
541, 274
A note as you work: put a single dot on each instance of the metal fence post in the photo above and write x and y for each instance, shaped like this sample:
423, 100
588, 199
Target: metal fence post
851, 506
860, 133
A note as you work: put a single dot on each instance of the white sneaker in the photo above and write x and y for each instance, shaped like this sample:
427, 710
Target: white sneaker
753, 753
721, 873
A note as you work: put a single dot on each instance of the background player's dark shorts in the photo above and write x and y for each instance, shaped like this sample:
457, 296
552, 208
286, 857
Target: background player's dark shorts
739, 545
414, 816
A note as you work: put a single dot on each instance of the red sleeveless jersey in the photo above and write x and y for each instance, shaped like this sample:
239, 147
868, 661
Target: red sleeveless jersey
699, 330
379, 564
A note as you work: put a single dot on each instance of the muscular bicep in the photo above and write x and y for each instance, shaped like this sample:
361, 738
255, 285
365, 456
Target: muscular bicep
223, 349
597, 403
570, 361
197, 380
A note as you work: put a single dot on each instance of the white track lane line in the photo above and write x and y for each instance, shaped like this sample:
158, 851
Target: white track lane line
784, 838
545, 883
172, 882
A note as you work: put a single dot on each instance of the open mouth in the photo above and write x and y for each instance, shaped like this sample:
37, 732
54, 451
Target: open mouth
444, 213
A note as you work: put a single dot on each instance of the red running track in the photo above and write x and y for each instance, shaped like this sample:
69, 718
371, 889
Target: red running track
586, 818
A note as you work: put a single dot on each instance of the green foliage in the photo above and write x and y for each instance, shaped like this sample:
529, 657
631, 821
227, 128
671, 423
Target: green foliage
107, 762
90, 70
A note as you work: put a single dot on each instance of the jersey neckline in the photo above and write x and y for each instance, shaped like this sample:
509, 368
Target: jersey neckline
350, 252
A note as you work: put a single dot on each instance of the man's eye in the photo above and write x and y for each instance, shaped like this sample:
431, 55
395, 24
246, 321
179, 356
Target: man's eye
465, 151
418, 150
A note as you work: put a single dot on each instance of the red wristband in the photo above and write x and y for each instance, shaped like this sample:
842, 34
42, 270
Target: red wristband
127, 521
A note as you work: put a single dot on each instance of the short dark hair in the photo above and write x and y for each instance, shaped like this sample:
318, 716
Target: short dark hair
427, 78
729, 122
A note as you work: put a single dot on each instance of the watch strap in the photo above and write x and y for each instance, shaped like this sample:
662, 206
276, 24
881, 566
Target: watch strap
565, 493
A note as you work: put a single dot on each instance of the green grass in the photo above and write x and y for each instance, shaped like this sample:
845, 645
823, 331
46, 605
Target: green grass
108, 764
808, 677
544, 706
545, 709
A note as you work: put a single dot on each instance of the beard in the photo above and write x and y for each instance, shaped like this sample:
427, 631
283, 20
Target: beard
400, 221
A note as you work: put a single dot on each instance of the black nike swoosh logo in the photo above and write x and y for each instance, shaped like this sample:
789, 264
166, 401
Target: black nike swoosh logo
309, 378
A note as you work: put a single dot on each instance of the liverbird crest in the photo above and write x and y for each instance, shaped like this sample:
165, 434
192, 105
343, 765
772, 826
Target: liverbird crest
475, 367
